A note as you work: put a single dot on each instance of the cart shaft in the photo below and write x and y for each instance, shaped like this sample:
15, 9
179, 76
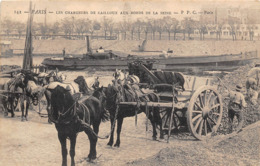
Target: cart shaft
149, 104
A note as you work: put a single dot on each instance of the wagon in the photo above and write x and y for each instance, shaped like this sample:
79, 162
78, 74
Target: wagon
185, 100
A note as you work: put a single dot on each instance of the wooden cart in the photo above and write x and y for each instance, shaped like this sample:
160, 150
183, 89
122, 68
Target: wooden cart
196, 104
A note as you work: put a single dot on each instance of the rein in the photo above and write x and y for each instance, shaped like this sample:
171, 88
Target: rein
68, 120
73, 111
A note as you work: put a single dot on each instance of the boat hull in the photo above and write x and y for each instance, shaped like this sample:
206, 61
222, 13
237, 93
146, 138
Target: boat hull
178, 63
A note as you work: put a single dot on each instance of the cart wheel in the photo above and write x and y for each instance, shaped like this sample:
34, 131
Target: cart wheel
41, 107
176, 121
204, 112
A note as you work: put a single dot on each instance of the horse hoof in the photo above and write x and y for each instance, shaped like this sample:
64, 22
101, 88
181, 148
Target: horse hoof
90, 159
5, 114
12, 115
154, 138
109, 144
161, 137
116, 145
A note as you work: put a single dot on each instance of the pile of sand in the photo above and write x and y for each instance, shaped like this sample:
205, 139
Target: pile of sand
240, 149
251, 112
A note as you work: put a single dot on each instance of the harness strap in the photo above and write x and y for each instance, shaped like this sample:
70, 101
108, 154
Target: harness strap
85, 108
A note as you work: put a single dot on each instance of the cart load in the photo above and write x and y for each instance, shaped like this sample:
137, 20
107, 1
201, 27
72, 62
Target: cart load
184, 99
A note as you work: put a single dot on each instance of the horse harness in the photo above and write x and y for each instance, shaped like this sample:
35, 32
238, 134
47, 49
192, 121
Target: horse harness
71, 115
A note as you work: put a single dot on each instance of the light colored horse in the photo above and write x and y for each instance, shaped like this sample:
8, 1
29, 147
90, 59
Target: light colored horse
46, 78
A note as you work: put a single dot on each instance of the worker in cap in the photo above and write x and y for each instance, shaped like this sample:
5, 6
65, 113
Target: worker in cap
235, 107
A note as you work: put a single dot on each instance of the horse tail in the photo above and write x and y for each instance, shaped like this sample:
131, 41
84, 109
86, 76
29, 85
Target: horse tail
88, 126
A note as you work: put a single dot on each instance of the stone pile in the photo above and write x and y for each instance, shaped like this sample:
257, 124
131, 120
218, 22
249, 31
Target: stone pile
251, 112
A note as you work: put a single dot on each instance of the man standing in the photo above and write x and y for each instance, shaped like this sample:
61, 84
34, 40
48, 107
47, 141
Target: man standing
63, 52
235, 108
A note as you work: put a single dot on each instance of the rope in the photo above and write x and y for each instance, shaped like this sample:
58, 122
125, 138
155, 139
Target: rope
137, 106
147, 115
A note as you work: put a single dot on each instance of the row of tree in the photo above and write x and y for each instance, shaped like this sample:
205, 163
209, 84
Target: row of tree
81, 27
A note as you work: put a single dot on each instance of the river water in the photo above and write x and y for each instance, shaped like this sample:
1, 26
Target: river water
71, 75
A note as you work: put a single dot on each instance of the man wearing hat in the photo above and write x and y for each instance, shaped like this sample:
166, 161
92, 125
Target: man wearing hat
235, 108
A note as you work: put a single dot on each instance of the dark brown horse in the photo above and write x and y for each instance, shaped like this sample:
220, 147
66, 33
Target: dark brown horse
116, 93
71, 116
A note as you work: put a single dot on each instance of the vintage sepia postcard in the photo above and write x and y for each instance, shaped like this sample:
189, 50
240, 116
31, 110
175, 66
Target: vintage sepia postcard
127, 82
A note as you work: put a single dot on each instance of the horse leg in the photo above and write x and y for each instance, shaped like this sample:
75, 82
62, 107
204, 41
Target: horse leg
26, 108
119, 127
72, 148
64, 151
111, 139
93, 141
5, 108
48, 98
153, 125
12, 105
22, 107
159, 122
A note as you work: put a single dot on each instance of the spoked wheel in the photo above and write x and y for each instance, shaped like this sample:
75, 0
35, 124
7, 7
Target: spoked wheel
42, 107
204, 112
166, 116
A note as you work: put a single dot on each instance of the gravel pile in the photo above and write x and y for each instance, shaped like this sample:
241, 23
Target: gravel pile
251, 112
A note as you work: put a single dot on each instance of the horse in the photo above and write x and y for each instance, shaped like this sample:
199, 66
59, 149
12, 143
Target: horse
50, 87
83, 86
22, 86
72, 116
116, 93
46, 78
93, 82
10, 100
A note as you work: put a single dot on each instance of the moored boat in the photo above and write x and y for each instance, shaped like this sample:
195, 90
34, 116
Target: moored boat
110, 60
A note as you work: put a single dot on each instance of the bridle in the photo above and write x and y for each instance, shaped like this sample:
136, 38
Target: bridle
70, 113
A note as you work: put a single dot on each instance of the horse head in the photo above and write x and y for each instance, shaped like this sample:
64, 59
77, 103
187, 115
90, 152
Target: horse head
100, 94
114, 94
60, 77
83, 86
34, 91
18, 81
119, 75
43, 79
61, 102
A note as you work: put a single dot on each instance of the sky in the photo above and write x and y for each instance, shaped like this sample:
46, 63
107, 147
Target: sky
57, 10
